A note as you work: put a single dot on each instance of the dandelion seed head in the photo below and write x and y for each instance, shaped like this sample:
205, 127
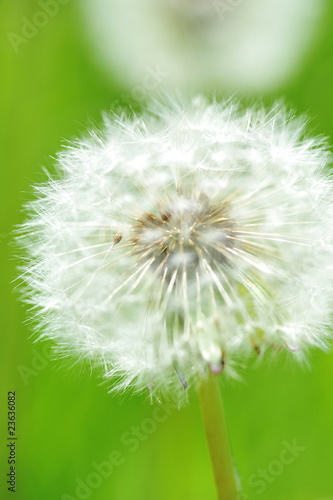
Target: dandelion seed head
182, 241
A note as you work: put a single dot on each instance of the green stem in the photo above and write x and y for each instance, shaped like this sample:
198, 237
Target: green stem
217, 438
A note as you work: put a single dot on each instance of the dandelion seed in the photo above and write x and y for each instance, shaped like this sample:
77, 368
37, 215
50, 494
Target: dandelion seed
183, 241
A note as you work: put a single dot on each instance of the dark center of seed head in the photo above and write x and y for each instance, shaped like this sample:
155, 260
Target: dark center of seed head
182, 233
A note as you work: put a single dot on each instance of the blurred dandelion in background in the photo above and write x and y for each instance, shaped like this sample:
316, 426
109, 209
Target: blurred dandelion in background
251, 46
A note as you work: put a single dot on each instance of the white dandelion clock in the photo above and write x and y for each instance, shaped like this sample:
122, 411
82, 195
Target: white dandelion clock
253, 45
181, 241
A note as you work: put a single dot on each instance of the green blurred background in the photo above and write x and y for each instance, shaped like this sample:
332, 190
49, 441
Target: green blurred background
54, 89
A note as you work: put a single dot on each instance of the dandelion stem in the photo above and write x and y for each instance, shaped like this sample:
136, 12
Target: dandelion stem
217, 438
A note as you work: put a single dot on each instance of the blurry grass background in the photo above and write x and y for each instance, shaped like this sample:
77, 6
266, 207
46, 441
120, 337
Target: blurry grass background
51, 90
